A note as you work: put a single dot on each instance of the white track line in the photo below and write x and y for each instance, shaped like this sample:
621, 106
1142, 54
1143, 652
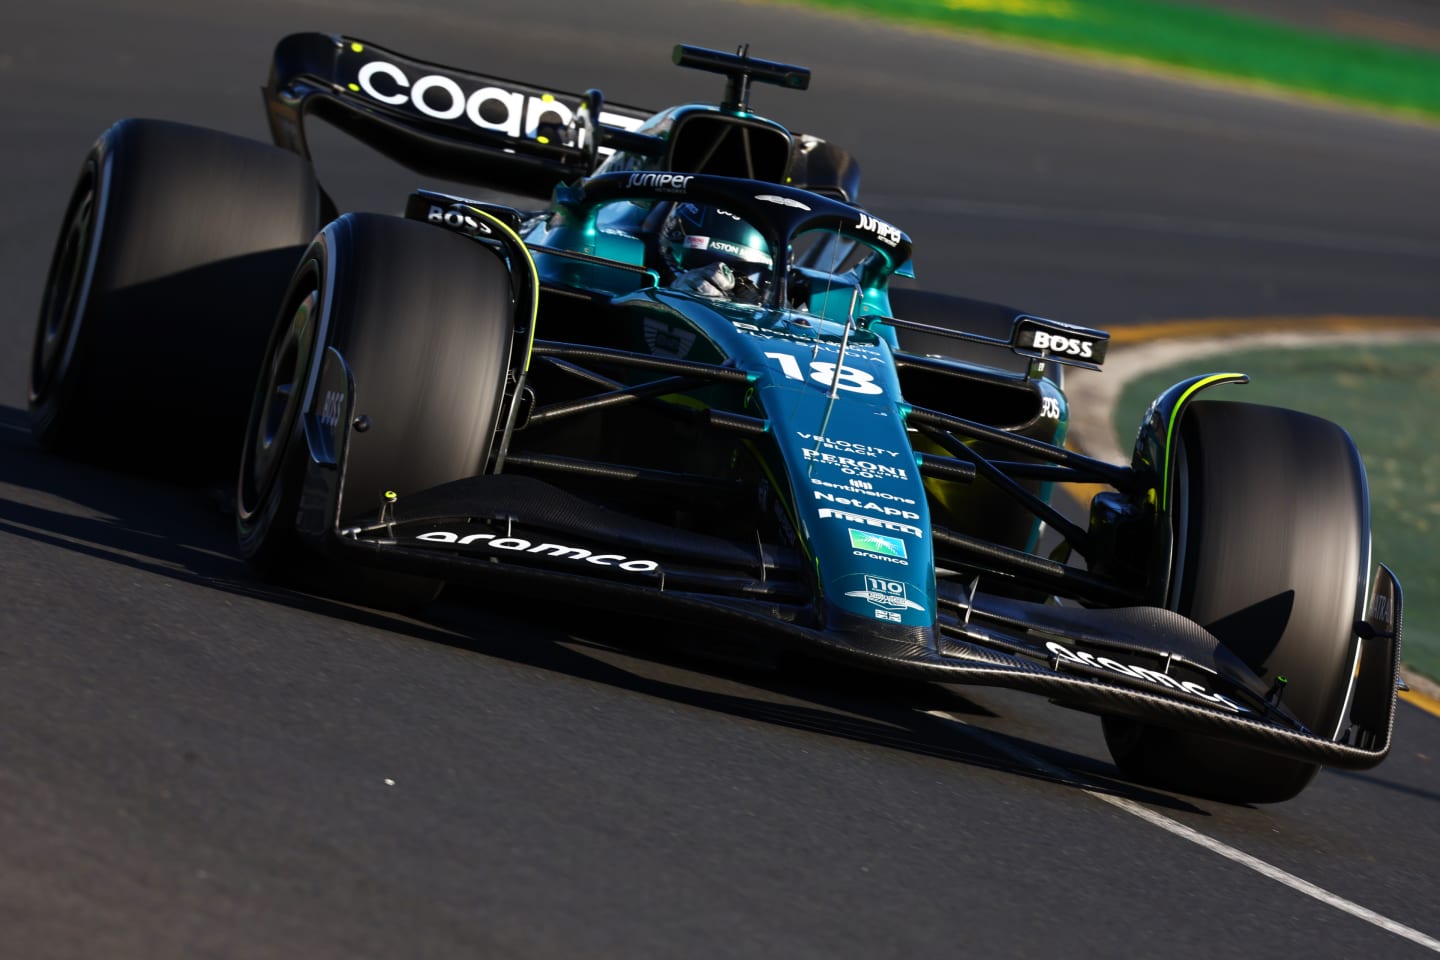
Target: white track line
1194, 836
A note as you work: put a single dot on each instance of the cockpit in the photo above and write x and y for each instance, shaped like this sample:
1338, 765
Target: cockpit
725, 238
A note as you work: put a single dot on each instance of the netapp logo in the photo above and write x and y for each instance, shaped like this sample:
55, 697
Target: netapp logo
516, 544
1140, 673
1067, 345
867, 505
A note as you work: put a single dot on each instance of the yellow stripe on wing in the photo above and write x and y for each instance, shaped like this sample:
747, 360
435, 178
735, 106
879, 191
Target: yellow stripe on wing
519, 244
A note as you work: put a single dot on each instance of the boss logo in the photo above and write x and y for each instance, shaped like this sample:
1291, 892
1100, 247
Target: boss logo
1055, 343
455, 220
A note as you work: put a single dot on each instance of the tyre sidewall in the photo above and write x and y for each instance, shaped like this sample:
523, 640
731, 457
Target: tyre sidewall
408, 303
266, 507
1272, 550
424, 320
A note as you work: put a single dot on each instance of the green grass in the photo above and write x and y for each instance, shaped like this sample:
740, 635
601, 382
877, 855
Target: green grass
1198, 38
1388, 398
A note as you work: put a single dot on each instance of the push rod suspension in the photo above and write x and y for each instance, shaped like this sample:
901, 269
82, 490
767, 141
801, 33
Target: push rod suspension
1122, 478
625, 358
1072, 532
1049, 574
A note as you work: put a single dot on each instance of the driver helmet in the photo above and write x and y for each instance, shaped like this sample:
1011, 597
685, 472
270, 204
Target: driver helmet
698, 236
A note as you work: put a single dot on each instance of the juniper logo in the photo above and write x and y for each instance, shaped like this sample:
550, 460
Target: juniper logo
888, 235
877, 543
660, 181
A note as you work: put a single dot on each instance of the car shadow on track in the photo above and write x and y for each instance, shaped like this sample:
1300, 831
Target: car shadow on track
1412, 730
185, 534
840, 701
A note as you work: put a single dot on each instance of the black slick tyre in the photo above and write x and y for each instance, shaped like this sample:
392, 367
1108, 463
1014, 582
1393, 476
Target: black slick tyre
424, 319
1272, 554
175, 249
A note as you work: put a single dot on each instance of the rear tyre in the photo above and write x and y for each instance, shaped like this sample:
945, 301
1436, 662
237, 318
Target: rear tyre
424, 319
1272, 553
175, 249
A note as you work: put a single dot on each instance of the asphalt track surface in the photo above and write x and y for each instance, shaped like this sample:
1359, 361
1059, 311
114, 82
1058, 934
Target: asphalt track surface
195, 764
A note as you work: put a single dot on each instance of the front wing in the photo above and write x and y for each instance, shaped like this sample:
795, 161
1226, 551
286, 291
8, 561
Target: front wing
515, 534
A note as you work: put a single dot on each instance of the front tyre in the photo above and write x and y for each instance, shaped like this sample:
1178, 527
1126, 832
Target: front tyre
1272, 551
424, 319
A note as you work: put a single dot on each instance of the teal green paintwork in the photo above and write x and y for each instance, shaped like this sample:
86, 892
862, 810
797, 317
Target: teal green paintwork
614, 245
840, 461
559, 270
846, 458
1049, 390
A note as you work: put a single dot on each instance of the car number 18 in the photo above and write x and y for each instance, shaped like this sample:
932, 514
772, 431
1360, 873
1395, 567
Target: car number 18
823, 372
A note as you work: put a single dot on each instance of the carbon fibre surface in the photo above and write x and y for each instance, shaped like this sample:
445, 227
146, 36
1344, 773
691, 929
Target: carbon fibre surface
1095, 694
536, 503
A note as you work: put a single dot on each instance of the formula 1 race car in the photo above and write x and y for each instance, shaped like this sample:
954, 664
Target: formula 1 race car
685, 389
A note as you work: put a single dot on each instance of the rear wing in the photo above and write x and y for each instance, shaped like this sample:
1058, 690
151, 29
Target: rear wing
442, 122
